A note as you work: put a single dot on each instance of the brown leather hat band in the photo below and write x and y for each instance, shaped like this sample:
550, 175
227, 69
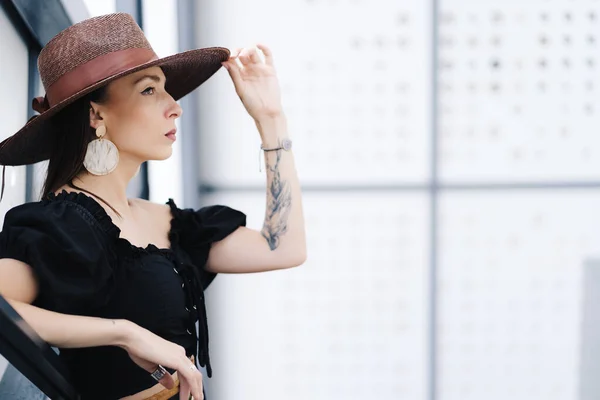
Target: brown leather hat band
95, 70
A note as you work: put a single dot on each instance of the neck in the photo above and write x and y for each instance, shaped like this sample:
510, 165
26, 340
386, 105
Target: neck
111, 188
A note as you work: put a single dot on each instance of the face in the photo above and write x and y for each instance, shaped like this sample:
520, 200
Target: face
139, 116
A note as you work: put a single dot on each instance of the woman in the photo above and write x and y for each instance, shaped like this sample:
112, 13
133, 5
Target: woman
115, 283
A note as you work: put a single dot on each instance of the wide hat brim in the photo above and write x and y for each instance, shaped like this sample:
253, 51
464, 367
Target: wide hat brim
184, 72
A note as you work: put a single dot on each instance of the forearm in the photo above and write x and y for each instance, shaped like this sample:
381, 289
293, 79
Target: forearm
72, 331
283, 228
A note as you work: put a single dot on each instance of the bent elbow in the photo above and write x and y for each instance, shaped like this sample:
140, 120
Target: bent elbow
298, 258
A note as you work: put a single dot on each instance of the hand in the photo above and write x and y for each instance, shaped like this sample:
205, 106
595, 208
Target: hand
255, 81
148, 350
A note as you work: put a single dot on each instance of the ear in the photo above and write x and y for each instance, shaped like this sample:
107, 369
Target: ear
95, 119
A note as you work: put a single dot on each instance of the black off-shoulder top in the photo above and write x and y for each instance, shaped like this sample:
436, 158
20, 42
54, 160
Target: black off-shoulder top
84, 267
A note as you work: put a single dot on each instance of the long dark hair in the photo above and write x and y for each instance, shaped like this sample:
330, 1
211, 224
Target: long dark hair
72, 134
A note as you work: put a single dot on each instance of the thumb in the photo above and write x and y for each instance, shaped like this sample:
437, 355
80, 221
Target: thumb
233, 69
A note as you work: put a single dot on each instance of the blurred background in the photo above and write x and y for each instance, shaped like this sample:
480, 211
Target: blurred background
449, 157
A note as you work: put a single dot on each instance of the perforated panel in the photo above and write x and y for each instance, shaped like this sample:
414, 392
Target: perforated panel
349, 324
355, 85
519, 90
510, 293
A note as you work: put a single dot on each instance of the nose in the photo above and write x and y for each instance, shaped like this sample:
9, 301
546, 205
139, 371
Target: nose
174, 111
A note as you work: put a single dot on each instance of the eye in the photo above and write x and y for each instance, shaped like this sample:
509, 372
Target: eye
149, 90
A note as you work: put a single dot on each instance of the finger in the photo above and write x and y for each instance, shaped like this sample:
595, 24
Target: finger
267, 52
200, 388
184, 389
254, 56
193, 378
244, 57
235, 52
167, 381
233, 57
197, 390
191, 387
234, 70
196, 387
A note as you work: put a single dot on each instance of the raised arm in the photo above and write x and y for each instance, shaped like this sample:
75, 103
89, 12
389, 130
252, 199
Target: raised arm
281, 243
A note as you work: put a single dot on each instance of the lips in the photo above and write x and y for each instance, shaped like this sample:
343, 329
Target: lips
171, 134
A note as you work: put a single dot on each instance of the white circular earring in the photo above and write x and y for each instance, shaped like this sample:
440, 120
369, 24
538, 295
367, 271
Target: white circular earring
102, 156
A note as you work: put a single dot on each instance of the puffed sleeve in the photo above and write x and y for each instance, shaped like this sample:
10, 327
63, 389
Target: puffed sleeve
67, 252
195, 230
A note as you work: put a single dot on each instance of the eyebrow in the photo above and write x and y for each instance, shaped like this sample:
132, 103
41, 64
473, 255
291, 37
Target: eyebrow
155, 78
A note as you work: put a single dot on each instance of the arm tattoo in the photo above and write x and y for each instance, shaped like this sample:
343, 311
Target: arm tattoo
279, 205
